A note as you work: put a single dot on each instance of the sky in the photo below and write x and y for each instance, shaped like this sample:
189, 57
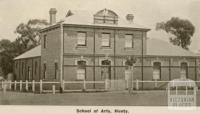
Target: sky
146, 13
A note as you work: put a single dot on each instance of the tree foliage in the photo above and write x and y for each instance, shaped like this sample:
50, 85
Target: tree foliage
130, 61
181, 29
28, 34
6, 58
28, 37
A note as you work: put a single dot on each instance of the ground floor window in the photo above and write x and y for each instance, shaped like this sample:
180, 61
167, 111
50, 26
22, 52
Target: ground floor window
184, 70
29, 73
105, 69
44, 70
56, 70
127, 70
156, 70
81, 70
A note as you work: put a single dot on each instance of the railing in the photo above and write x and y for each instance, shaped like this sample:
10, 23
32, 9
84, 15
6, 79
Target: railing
38, 86
30, 86
84, 87
154, 84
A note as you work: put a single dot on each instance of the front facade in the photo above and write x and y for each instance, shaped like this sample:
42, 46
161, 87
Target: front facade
96, 48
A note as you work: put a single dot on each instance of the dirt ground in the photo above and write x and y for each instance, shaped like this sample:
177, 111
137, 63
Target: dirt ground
144, 98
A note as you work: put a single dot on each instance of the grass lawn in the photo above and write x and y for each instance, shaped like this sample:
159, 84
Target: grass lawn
147, 98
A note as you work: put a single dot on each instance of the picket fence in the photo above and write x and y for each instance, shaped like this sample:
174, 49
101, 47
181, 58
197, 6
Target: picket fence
30, 86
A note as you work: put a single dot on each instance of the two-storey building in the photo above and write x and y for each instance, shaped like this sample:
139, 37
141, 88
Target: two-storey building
95, 47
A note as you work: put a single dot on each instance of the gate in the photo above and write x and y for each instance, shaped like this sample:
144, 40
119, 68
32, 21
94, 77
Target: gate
182, 92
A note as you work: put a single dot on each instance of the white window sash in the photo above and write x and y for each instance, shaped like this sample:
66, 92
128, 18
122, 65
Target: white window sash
156, 74
81, 39
105, 40
81, 74
128, 41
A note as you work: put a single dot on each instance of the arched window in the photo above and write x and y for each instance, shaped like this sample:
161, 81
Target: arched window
184, 70
106, 16
81, 70
156, 70
106, 69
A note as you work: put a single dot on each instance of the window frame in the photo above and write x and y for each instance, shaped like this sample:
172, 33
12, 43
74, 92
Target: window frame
78, 38
45, 41
56, 69
81, 68
132, 40
109, 39
160, 71
181, 68
44, 70
36, 65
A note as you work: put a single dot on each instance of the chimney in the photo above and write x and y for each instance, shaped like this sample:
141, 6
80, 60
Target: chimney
52, 14
129, 18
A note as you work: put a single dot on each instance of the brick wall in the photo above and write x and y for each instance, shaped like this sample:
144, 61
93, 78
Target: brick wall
51, 54
21, 69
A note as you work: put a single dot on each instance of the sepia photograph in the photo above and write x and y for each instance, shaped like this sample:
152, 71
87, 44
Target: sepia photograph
116, 55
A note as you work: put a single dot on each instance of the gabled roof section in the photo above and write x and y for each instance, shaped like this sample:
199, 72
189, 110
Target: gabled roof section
158, 47
35, 52
106, 12
79, 17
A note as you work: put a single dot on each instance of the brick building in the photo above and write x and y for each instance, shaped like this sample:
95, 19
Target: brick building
95, 47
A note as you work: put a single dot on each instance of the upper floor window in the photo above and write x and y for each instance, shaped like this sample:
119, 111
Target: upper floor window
129, 41
45, 41
105, 41
81, 39
106, 16
156, 70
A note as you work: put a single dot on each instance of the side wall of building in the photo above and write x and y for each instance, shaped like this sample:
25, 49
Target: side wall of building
51, 54
28, 69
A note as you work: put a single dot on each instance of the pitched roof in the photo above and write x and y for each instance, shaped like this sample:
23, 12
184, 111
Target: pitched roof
162, 48
35, 52
87, 18
82, 17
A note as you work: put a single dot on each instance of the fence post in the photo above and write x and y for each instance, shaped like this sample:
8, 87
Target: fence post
26, 85
84, 85
40, 86
33, 85
53, 89
4, 88
20, 85
63, 85
106, 84
137, 84
15, 85
10, 84
126, 84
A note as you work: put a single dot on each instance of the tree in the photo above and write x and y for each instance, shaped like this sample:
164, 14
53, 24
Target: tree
181, 29
6, 58
28, 34
28, 37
